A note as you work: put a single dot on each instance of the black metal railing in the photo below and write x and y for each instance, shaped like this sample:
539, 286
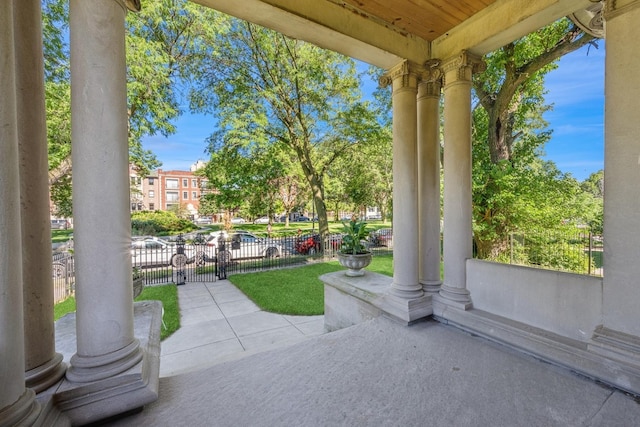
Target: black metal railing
206, 257
576, 251
63, 273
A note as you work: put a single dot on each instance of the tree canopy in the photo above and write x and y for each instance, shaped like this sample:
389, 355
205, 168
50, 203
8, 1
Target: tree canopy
270, 90
513, 188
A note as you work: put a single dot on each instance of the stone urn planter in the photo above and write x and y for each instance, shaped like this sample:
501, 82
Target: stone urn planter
353, 254
355, 263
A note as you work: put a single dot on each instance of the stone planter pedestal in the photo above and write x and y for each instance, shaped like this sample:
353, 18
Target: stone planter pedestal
354, 263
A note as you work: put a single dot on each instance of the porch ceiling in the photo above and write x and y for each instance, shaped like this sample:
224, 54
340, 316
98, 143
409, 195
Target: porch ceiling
427, 19
385, 32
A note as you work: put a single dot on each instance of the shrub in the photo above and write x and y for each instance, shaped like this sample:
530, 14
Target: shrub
158, 222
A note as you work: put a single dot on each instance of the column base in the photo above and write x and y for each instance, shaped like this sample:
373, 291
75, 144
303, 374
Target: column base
406, 291
88, 402
457, 297
431, 286
407, 311
44, 376
95, 368
24, 412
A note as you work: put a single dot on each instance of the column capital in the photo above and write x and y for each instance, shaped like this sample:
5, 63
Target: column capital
613, 8
404, 75
464, 65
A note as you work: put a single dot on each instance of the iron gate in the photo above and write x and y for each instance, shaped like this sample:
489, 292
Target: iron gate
178, 261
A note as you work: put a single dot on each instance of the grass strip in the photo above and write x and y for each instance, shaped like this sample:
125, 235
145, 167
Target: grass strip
167, 294
296, 291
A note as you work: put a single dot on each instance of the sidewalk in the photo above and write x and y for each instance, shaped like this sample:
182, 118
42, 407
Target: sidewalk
219, 323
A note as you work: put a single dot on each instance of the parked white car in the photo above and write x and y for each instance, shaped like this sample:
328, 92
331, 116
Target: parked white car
242, 244
153, 252
237, 220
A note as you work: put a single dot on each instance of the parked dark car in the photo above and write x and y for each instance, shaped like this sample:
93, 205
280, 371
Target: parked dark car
382, 237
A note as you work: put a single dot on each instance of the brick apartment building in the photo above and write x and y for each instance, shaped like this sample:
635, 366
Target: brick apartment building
163, 190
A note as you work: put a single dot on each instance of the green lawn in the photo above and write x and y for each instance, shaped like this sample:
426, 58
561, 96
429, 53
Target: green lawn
60, 236
279, 229
298, 290
167, 294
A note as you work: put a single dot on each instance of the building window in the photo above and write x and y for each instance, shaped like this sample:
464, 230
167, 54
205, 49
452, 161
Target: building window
194, 195
152, 194
185, 182
152, 206
172, 183
136, 180
194, 183
150, 181
185, 195
172, 196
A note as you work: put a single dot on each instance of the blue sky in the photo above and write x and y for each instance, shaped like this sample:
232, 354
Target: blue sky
575, 88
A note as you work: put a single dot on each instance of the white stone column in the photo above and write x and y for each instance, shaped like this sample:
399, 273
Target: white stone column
404, 81
102, 224
43, 365
429, 179
457, 243
17, 403
622, 169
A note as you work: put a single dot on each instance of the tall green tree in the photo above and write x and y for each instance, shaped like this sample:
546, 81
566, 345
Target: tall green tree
513, 188
265, 88
162, 43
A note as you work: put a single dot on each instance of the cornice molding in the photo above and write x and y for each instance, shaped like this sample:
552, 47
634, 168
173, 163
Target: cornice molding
614, 8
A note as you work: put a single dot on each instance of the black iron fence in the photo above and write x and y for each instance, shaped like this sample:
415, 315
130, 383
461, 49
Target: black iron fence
63, 273
576, 251
242, 251
207, 257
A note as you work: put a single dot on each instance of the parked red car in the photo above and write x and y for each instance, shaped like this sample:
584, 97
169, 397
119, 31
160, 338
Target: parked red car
308, 245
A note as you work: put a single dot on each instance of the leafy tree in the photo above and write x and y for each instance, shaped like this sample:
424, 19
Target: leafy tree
593, 188
512, 85
162, 42
239, 173
512, 187
594, 184
269, 89
289, 194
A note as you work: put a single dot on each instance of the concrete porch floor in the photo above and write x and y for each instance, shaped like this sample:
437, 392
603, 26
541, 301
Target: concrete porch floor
373, 374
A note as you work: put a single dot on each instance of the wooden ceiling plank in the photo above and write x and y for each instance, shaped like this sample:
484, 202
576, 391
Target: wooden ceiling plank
423, 20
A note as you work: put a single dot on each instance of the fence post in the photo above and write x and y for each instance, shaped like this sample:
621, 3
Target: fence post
590, 251
511, 248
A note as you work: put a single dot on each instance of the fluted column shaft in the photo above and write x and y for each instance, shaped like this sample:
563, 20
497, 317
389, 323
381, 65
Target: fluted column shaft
458, 232
17, 403
102, 225
429, 180
404, 81
42, 364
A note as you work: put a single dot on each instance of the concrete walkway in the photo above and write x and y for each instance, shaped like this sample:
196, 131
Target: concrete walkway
378, 373
219, 323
